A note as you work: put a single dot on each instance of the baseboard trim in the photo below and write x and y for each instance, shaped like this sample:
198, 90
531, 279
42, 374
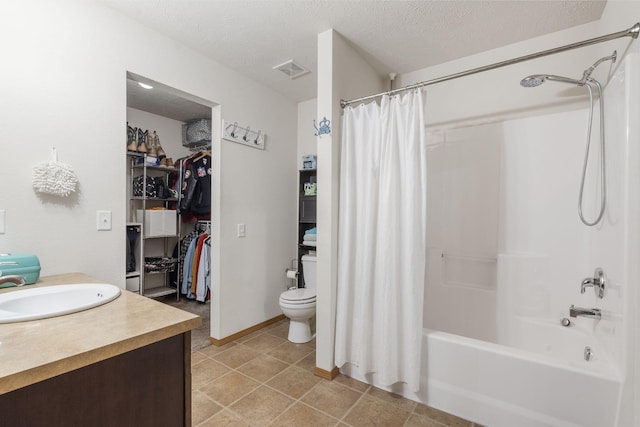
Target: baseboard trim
226, 340
327, 375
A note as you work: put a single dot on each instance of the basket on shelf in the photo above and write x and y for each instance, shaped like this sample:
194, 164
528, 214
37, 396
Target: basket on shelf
196, 133
159, 264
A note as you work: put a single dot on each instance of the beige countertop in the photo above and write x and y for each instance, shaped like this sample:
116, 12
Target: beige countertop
36, 350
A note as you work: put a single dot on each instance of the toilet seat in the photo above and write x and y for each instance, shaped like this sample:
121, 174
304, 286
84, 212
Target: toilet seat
298, 296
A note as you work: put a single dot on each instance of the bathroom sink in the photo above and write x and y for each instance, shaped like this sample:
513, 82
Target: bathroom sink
50, 301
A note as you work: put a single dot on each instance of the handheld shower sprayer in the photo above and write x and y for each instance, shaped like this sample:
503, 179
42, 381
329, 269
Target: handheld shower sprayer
590, 83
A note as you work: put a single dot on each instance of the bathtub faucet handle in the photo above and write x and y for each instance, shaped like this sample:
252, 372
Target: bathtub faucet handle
597, 282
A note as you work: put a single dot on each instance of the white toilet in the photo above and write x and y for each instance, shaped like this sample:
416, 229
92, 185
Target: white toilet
299, 304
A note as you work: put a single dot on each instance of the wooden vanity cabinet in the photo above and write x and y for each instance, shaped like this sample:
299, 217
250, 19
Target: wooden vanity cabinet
148, 386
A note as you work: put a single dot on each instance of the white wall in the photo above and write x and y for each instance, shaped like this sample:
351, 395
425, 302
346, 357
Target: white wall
307, 143
64, 84
342, 74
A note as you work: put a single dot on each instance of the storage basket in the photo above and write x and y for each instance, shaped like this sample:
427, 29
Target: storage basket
196, 133
159, 264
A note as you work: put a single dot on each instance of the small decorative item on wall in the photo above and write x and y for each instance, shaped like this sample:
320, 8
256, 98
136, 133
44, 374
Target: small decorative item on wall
51, 177
243, 135
324, 129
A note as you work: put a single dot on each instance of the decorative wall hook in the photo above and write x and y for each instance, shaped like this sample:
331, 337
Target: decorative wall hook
324, 129
233, 132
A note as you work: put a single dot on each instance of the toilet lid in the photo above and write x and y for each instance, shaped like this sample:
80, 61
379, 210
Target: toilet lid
299, 295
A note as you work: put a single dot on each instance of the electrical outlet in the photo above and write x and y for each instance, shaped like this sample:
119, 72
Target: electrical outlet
241, 230
104, 220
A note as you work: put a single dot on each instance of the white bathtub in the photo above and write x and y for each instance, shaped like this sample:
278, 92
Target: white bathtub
548, 384
500, 386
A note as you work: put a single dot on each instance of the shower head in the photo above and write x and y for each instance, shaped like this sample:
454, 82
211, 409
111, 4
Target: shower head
532, 81
538, 79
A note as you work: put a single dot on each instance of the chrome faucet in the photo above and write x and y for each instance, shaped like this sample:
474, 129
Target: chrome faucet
18, 280
591, 313
597, 282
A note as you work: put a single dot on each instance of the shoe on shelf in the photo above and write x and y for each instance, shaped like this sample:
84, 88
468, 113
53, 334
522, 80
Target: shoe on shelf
132, 136
156, 142
142, 139
151, 144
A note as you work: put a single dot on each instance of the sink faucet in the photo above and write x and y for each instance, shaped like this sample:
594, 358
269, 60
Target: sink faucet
591, 313
597, 282
18, 280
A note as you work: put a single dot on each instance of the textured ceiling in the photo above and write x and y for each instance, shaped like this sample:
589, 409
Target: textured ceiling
253, 36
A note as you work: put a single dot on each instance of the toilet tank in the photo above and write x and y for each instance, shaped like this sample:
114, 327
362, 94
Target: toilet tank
309, 270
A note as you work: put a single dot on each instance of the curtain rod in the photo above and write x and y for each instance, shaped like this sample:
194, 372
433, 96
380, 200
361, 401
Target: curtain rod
630, 32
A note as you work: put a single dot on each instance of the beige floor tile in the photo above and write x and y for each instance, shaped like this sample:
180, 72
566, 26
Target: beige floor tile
264, 342
421, 421
395, 399
352, 383
370, 411
290, 352
250, 336
302, 415
332, 398
441, 416
205, 372
311, 343
294, 381
202, 407
225, 418
212, 350
263, 368
280, 331
229, 388
236, 356
197, 357
261, 406
308, 363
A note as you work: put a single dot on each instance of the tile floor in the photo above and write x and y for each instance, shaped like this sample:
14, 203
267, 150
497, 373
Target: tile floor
264, 380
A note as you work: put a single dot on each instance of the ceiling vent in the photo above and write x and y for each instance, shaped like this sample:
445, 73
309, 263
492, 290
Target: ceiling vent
292, 69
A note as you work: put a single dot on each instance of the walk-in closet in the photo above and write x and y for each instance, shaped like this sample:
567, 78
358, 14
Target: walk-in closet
169, 173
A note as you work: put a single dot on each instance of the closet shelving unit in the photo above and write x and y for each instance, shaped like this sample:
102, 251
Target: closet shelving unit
151, 265
306, 217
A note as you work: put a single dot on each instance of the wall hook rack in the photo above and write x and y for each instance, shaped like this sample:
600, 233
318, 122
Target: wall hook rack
232, 131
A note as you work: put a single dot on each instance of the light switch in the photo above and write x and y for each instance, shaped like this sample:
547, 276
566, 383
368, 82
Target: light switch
2, 221
241, 230
104, 220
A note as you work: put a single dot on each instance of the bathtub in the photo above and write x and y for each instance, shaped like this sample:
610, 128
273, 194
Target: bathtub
547, 384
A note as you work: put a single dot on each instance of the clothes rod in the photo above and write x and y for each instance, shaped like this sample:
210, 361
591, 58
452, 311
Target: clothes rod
630, 32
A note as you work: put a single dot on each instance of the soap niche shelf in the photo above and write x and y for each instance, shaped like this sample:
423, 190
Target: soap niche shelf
232, 131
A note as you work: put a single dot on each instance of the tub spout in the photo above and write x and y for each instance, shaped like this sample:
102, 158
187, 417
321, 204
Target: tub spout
591, 313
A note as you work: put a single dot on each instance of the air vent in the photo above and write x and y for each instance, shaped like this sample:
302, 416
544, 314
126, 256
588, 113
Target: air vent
292, 69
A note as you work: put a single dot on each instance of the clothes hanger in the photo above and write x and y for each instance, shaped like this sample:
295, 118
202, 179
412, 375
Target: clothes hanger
200, 155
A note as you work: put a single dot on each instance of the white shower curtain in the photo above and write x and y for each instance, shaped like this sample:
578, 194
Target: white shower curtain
382, 239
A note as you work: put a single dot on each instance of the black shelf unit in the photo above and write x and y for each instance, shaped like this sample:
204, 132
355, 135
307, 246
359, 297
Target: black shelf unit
306, 216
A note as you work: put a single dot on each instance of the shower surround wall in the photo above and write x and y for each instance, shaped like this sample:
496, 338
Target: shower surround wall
505, 236
507, 255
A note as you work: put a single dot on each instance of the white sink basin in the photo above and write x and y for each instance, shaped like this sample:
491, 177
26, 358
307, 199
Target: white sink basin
51, 301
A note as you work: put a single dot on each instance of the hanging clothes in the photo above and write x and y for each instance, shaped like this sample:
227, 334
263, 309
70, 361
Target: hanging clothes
196, 185
196, 265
